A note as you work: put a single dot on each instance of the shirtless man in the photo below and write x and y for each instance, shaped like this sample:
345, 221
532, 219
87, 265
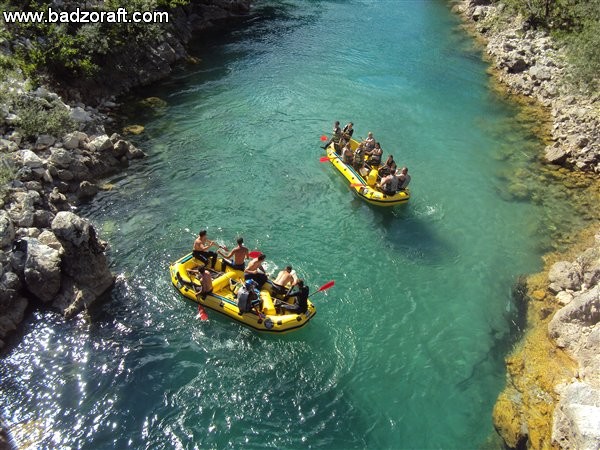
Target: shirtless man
206, 286
389, 184
403, 178
202, 247
283, 278
239, 254
255, 271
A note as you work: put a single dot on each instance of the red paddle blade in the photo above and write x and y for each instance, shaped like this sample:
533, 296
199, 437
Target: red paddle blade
326, 286
356, 185
202, 313
323, 138
324, 159
255, 254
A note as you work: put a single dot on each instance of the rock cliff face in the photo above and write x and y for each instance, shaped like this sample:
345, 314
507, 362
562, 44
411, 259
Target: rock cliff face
552, 397
138, 65
528, 62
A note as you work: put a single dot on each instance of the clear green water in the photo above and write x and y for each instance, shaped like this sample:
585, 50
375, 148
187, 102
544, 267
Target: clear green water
406, 350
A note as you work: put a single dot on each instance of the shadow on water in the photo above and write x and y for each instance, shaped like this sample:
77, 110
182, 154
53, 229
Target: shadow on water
503, 341
411, 235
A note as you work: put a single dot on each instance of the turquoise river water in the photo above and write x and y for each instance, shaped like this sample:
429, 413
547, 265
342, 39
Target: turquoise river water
406, 350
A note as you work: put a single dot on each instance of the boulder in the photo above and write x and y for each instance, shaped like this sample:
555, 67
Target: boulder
576, 421
7, 229
48, 238
87, 189
589, 261
30, 159
516, 65
61, 158
134, 153
44, 141
102, 143
71, 141
571, 324
21, 209
84, 260
540, 73
12, 304
566, 275
555, 155
80, 115
42, 218
42, 270
79, 169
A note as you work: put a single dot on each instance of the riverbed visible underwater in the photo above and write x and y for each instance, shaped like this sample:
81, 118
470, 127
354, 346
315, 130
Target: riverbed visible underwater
406, 350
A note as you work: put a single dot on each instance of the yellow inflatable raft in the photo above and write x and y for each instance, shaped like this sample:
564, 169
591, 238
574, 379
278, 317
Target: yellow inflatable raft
363, 187
270, 318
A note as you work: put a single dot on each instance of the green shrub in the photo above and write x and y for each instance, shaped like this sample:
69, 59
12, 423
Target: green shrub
37, 117
574, 22
69, 51
7, 173
584, 52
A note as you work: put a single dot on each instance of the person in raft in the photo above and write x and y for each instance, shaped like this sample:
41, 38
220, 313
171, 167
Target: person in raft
389, 184
369, 142
403, 178
375, 156
284, 278
202, 247
203, 275
301, 294
336, 134
238, 257
206, 286
247, 297
255, 271
348, 131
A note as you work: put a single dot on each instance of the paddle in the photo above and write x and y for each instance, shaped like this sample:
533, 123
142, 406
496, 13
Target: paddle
357, 184
326, 286
202, 313
323, 138
324, 159
255, 254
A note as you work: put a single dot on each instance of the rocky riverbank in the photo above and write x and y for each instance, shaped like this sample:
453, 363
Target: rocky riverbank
49, 255
552, 398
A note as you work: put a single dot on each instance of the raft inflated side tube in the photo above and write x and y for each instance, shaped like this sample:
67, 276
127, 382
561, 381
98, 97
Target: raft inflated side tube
223, 281
267, 302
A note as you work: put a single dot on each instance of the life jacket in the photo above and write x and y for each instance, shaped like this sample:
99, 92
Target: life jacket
337, 134
243, 297
359, 154
375, 158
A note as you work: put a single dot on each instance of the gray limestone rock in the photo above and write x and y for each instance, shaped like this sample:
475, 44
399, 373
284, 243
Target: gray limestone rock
60, 158
555, 155
566, 275
576, 422
7, 229
84, 260
42, 270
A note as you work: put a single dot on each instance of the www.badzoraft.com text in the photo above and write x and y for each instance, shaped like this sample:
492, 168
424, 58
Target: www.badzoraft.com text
121, 15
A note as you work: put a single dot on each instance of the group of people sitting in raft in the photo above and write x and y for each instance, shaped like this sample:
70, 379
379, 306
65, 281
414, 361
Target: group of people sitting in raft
366, 159
255, 276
